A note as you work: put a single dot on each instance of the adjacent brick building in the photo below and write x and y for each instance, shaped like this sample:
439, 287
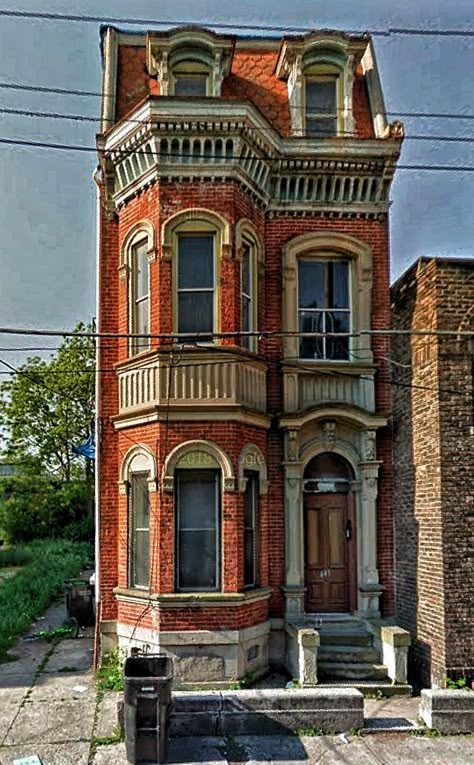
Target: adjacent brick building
433, 458
245, 447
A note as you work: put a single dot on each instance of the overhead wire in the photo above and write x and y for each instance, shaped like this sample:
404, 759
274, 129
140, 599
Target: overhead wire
71, 147
176, 23
84, 118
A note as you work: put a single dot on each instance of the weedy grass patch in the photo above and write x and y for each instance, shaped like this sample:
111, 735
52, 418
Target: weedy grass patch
26, 595
110, 672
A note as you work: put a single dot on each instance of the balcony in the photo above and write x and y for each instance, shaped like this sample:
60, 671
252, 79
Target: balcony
207, 380
305, 390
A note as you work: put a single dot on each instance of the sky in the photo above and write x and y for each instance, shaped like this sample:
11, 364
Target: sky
48, 200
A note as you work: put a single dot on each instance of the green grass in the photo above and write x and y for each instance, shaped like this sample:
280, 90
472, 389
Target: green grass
10, 557
26, 595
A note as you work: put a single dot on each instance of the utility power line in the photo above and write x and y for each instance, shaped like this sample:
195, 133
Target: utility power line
85, 118
98, 94
172, 23
90, 150
206, 336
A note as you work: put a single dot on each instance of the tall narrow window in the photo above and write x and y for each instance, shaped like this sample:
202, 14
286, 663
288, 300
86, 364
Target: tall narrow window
140, 297
198, 530
196, 282
139, 527
324, 308
321, 106
251, 529
248, 296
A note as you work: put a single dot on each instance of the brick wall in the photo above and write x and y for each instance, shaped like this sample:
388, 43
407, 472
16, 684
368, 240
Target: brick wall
434, 486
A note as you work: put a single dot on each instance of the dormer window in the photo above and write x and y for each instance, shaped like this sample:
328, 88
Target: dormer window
322, 111
319, 69
189, 62
191, 79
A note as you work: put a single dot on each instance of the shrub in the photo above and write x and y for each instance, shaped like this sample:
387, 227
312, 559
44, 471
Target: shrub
38, 507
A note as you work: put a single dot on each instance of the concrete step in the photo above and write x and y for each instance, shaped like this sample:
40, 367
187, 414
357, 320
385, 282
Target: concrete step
353, 636
351, 670
370, 687
348, 653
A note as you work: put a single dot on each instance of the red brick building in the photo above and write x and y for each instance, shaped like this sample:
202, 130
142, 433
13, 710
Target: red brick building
434, 482
245, 448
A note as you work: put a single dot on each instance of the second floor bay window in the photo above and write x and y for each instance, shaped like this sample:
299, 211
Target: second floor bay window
324, 308
196, 280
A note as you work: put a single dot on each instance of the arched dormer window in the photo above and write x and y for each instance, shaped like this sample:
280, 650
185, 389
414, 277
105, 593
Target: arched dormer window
138, 250
319, 69
189, 61
323, 101
191, 73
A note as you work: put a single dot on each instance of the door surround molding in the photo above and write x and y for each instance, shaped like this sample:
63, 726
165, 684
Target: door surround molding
357, 446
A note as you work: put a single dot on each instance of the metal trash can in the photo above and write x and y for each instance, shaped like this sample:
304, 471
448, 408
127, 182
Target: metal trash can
80, 601
147, 707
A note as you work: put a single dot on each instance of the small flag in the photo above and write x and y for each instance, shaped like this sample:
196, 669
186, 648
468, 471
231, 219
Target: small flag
86, 449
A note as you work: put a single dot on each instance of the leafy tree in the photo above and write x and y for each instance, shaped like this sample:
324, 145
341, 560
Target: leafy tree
48, 407
45, 410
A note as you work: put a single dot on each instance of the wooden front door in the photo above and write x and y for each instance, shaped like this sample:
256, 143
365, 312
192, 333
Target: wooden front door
327, 563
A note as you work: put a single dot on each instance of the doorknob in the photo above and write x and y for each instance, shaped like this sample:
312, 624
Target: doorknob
348, 531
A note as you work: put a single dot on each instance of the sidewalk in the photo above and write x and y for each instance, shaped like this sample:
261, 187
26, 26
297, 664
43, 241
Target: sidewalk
49, 706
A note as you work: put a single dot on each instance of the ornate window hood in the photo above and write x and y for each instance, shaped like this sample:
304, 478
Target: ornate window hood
194, 42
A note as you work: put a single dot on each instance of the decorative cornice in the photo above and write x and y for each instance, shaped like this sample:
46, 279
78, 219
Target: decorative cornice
235, 143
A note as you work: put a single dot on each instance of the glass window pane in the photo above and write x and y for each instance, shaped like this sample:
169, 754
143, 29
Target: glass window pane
339, 275
197, 500
197, 554
140, 265
322, 126
141, 310
337, 347
246, 315
251, 528
247, 270
198, 529
311, 347
196, 312
311, 279
196, 262
321, 96
142, 558
190, 85
139, 530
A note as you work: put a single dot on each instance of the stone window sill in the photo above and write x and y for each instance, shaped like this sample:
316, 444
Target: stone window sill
193, 599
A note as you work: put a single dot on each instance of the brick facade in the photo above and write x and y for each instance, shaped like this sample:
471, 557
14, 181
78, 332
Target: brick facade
252, 80
434, 486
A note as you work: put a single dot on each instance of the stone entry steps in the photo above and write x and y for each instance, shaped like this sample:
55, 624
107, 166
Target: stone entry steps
346, 651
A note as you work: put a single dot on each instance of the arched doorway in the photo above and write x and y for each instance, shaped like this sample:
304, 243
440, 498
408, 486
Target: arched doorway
330, 544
